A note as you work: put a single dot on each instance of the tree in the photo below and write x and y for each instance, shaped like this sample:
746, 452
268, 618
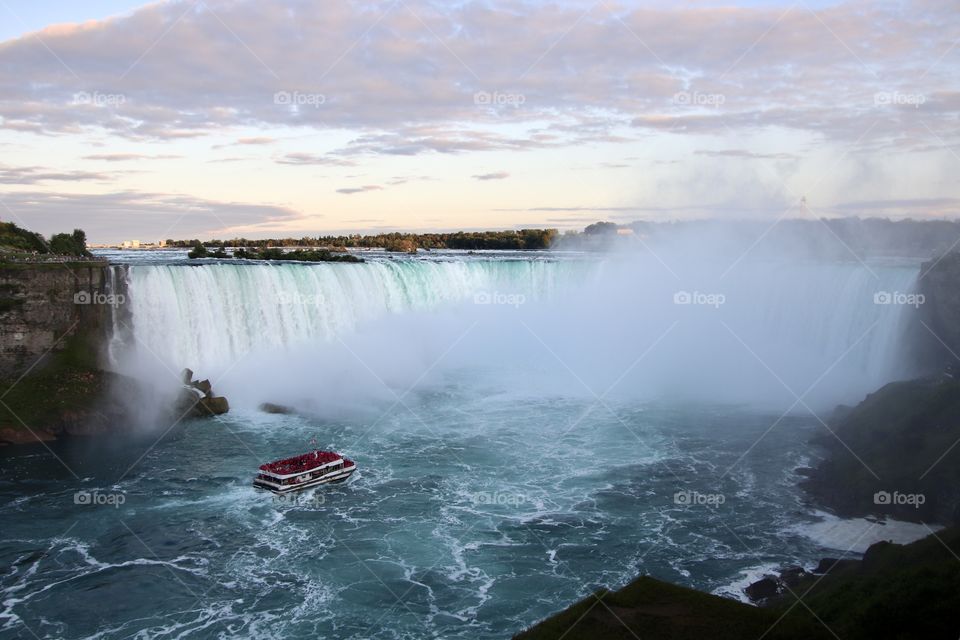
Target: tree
69, 244
198, 251
598, 228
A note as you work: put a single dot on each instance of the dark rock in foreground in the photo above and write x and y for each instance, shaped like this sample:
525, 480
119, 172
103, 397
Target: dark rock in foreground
826, 565
763, 589
894, 455
196, 399
650, 609
941, 307
897, 591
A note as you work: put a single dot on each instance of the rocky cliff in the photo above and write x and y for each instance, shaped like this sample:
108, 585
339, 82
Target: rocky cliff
44, 305
939, 283
55, 321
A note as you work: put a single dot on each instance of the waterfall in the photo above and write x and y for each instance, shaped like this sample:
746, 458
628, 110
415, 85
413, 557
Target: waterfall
217, 312
786, 325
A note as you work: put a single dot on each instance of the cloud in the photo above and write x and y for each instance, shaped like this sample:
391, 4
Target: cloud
499, 175
256, 140
471, 68
743, 153
250, 141
364, 189
398, 180
128, 157
124, 215
299, 158
35, 175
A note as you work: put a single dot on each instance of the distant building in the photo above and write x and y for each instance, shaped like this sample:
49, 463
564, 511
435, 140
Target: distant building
624, 231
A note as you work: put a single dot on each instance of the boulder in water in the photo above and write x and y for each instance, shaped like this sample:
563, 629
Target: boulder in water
763, 589
214, 405
269, 407
196, 398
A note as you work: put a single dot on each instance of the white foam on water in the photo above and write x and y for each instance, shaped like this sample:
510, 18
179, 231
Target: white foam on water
745, 578
857, 534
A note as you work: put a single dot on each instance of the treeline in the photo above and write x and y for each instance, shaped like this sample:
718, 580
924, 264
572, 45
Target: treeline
406, 242
273, 253
14, 239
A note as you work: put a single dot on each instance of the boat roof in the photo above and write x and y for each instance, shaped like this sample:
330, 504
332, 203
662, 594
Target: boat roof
301, 463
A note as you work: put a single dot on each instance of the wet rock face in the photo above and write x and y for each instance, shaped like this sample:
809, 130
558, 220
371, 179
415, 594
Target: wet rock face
939, 282
42, 305
269, 407
763, 589
196, 398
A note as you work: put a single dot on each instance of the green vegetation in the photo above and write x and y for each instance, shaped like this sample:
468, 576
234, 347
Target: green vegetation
303, 255
198, 251
479, 240
903, 436
69, 244
650, 609
898, 591
8, 297
274, 253
600, 228
17, 241
67, 382
14, 239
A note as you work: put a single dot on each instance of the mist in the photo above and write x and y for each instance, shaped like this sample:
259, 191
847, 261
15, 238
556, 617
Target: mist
689, 318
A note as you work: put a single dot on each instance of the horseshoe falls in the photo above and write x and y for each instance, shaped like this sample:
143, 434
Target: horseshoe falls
777, 328
520, 425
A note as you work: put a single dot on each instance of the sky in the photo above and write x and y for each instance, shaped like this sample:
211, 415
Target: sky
226, 118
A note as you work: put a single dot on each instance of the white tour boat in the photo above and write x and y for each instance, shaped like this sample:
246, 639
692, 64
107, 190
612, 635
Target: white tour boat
304, 471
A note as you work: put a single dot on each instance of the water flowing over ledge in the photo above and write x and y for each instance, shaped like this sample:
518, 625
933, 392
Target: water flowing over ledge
798, 321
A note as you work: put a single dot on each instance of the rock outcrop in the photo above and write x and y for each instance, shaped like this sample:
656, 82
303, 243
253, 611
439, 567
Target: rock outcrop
63, 399
939, 282
269, 407
896, 591
43, 304
906, 464
196, 398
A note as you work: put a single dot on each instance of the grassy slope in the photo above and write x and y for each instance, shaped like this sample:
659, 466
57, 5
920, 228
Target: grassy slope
900, 432
656, 610
899, 591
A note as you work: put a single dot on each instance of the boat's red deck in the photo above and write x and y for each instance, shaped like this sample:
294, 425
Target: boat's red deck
301, 463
